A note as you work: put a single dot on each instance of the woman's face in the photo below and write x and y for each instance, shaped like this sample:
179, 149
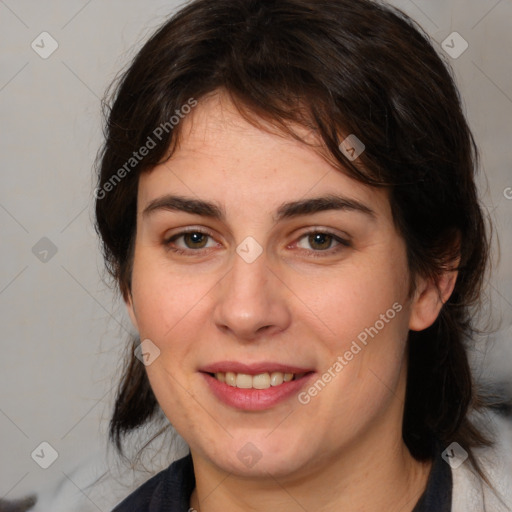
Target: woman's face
289, 267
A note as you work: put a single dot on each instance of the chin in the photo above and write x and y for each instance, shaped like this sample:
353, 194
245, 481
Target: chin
258, 456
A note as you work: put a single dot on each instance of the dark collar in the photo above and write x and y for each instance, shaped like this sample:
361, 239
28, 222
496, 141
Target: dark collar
438, 493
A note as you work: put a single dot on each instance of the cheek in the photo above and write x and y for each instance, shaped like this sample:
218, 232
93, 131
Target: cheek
165, 299
356, 301
361, 316
169, 306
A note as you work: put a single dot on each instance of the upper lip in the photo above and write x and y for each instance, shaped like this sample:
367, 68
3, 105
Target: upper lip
252, 368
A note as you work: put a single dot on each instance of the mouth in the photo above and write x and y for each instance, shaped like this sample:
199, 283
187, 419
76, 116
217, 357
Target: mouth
263, 380
255, 387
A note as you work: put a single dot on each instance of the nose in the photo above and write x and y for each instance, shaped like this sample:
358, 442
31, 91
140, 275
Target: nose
251, 301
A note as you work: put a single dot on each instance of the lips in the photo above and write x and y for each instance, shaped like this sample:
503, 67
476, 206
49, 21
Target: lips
256, 386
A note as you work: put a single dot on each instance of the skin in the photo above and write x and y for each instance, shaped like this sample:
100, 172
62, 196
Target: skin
343, 450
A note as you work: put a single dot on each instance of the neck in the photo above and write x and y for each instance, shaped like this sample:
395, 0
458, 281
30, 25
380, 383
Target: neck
389, 479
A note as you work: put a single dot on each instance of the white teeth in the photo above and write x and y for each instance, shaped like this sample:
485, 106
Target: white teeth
276, 378
260, 381
243, 381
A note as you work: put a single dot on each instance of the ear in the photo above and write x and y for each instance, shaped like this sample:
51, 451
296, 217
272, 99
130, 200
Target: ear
429, 297
128, 300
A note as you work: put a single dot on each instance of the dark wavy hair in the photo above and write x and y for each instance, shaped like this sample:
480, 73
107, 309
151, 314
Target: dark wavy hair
338, 67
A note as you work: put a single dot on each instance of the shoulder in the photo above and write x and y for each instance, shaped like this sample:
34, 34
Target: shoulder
470, 492
167, 491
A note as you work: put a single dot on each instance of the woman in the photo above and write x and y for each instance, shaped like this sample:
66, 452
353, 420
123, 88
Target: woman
286, 200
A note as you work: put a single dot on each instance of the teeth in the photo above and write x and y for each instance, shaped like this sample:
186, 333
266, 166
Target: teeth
260, 381
230, 379
276, 378
243, 381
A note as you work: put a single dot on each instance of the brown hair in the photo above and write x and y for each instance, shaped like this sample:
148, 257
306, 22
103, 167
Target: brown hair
339, 67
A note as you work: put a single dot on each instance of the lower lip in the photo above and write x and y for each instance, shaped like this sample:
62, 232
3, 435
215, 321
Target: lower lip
255, 399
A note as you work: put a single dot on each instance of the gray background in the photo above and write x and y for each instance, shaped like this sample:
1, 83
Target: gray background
63, 330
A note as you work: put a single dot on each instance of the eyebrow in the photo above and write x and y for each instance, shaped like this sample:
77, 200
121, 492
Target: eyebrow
285, 211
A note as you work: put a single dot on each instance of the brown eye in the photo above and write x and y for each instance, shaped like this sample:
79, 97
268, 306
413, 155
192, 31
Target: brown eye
189, 242
195, 240
320, 241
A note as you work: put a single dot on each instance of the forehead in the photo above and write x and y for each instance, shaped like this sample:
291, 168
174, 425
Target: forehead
222, 156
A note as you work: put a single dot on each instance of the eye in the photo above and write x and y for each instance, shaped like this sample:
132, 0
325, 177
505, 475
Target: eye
322, 241
193, 241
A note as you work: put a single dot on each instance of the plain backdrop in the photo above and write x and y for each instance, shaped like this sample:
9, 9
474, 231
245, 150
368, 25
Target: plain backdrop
63, 331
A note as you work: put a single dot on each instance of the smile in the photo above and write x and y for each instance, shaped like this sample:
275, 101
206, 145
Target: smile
255, 387
260, 381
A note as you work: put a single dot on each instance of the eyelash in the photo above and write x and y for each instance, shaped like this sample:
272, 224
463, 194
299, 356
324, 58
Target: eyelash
343, 243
